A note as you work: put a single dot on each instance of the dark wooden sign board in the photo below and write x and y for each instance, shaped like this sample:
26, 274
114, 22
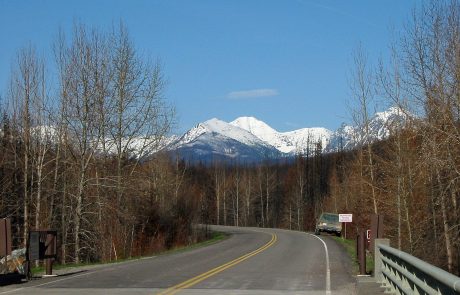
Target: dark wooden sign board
42, 244
34, 245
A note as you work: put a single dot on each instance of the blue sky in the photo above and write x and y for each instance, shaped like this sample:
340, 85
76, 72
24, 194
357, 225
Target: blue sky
282, 61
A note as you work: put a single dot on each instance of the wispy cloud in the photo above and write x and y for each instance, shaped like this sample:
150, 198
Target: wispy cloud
252, 93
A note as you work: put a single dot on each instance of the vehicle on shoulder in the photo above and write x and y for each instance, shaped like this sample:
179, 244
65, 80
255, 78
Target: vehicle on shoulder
329, 223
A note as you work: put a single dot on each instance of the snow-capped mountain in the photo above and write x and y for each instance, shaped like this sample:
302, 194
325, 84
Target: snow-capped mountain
220, 127
219, 140
299, 141
248, 139
380, 126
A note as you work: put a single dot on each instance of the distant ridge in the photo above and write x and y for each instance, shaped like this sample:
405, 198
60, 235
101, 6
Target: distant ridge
247, 139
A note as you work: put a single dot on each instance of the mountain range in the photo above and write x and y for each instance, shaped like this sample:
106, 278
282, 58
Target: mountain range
248, 140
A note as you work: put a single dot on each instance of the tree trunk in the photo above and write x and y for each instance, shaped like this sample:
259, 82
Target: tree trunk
445, 223
78, 215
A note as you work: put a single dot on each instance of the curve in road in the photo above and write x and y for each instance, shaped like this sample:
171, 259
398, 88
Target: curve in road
251, 261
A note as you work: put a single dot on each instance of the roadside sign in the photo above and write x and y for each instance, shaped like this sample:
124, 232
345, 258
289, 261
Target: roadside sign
368, 234
345, 217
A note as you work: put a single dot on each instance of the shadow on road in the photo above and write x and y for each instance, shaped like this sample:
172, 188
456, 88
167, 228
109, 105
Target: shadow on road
10, 279
14, 278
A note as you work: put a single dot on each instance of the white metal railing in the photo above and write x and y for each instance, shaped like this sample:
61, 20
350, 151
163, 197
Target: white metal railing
402, 273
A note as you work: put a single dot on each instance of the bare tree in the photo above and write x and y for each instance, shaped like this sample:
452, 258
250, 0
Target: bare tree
431, 49
83, 61
139, 118
362, 89
27, 91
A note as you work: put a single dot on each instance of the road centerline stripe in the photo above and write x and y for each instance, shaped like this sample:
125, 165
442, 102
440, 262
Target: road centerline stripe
195, 280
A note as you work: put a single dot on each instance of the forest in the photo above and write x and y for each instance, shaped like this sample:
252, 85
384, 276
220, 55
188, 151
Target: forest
68, 162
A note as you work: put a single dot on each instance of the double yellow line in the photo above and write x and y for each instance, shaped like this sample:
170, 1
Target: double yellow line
193, 281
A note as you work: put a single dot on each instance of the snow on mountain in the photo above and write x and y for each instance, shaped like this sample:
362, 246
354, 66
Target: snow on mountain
219, 140
292, 142
380, 126
220, 127
383, 123
342, 139
145, 146
249, 139
305, 140
137, 147
256, 127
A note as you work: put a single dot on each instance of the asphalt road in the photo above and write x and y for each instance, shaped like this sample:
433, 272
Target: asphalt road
251, 261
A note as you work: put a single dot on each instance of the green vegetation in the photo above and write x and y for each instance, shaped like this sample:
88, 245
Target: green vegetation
350, 247
214, 238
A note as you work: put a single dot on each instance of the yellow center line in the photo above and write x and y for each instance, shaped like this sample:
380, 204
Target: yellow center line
193, 281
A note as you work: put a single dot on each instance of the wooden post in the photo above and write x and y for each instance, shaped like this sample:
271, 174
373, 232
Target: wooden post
362, 252
50, 251
376, 230
5, 237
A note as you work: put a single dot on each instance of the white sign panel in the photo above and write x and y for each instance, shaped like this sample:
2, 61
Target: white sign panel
345, 217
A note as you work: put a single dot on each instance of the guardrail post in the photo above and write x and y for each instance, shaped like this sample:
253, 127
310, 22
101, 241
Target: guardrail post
378, 263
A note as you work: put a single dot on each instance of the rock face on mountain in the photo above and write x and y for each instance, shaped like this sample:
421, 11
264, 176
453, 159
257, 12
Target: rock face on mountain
249, 140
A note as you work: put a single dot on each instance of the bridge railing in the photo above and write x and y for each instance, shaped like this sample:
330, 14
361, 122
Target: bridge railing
402, 273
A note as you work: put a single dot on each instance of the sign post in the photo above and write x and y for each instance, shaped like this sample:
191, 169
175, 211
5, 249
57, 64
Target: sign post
42, 246
376, 230
345, 218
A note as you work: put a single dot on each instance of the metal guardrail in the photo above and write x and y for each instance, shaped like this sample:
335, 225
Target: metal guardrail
402, 273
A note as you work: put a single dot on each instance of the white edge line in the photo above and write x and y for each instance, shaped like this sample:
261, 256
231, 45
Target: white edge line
103, 268
47, 283
328, 269
90, 272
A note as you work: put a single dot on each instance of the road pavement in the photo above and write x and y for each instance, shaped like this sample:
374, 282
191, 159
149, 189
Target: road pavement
250, 261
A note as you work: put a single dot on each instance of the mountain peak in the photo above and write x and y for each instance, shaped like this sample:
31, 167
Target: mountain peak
214, 125
213, 121
217, 139
297, 141
254, 126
